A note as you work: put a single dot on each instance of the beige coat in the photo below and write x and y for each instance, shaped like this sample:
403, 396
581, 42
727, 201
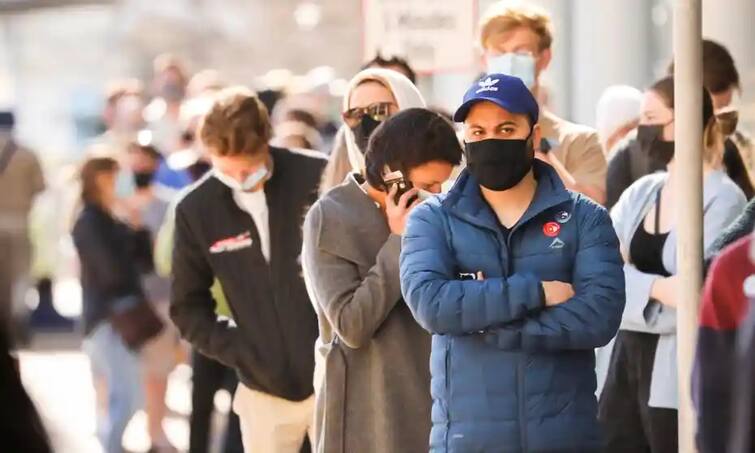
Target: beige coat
577, 147
372, 365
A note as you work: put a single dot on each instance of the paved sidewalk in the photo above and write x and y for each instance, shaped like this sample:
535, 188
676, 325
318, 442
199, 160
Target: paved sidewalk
56, 374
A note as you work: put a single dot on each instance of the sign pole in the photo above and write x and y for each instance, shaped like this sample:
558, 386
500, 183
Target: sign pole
689, 216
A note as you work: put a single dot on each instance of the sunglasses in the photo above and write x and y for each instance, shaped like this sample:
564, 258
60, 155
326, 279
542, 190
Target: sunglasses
379, 111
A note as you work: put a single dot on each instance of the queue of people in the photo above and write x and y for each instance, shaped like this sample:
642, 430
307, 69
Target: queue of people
354, 303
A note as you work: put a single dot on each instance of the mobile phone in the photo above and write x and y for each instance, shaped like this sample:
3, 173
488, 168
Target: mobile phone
397, 179
467, 276
545, 146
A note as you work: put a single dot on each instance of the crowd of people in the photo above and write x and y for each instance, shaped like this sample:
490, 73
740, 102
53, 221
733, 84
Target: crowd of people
500, 279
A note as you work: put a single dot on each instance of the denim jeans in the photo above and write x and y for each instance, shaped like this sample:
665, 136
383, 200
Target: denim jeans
112, 361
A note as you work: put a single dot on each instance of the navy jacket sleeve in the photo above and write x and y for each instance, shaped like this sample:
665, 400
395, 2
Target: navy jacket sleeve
592, 317
443, 304
192, 307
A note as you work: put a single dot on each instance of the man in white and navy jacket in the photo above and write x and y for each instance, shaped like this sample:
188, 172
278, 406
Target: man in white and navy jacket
241, 224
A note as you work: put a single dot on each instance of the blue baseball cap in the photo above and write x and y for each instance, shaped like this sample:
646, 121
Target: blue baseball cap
508, 92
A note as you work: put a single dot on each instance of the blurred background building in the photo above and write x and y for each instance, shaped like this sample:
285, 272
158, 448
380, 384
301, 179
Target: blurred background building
56, 55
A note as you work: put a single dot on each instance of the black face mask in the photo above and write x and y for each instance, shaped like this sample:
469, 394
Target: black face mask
363, 130
649, 137
173, 92
143, 179
499, 164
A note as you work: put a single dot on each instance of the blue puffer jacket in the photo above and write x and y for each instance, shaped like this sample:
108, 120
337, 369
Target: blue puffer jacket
508, 374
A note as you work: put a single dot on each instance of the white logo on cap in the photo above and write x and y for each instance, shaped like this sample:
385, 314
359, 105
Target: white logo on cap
487, 85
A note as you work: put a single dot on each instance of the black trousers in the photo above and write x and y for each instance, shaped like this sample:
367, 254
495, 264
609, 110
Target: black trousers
629, 424
208, 377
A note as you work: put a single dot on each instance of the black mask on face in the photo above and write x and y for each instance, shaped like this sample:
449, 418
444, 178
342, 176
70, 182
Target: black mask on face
499, 164
173, 92
649, 137
363, 130
143, 179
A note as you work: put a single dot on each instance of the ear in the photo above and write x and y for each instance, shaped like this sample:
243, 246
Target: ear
543, 61
537, 135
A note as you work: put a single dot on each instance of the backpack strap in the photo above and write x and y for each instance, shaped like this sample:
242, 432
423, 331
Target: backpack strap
6, 154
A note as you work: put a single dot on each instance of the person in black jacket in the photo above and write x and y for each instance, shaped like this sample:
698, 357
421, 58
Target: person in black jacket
241, 224
112, 257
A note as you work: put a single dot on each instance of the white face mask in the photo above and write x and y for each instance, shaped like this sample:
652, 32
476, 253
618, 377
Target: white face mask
521, 65
248, 184
423, 194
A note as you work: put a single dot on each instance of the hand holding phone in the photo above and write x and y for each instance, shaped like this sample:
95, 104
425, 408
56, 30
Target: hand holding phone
397, 212
396, 179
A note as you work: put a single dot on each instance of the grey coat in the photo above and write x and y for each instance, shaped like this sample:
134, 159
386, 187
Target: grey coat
375, 395
723, 201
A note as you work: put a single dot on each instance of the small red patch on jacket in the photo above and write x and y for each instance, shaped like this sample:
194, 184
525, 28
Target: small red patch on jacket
551, 229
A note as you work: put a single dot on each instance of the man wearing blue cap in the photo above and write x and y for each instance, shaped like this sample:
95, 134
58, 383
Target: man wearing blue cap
518, 279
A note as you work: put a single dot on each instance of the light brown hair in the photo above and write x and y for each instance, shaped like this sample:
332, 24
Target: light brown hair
501, 18
169, 62
117, 89
719, 71
237, 123
92, 168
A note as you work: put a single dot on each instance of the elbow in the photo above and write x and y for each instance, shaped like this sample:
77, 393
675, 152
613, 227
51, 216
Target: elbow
604, 336
354, 338
430, 325
423, 312
351, 328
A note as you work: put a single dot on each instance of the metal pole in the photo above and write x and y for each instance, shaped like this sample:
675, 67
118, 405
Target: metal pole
689, 215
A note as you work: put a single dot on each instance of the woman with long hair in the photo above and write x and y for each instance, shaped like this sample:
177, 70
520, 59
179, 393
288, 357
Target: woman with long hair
112, 256
638, 403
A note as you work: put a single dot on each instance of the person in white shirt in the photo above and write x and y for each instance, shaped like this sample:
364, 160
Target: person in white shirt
241, 225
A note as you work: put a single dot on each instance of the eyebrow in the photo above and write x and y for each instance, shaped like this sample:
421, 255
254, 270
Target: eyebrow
505, 123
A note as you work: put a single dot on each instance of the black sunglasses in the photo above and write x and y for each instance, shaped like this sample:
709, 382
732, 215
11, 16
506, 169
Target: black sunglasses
379, 111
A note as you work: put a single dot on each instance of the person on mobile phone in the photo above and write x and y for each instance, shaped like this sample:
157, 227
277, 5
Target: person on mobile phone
375, 392
512, 359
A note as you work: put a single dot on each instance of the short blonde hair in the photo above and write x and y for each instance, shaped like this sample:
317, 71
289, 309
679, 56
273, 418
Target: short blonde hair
237, 123
503, 17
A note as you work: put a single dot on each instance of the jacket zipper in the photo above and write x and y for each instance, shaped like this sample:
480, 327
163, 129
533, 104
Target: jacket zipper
522, 403
521, 364
448, 391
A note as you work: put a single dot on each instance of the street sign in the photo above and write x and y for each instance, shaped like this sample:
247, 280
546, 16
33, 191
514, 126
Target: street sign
433, 35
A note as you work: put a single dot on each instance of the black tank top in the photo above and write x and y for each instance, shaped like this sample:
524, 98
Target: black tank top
646, 249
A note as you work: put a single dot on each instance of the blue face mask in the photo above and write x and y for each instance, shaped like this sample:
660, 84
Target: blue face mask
248, 184
521, 65
124, 184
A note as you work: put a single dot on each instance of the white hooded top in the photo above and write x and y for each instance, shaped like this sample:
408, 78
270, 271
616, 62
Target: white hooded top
406, 94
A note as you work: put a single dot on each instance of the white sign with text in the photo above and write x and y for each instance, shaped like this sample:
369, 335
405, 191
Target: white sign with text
433, 35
